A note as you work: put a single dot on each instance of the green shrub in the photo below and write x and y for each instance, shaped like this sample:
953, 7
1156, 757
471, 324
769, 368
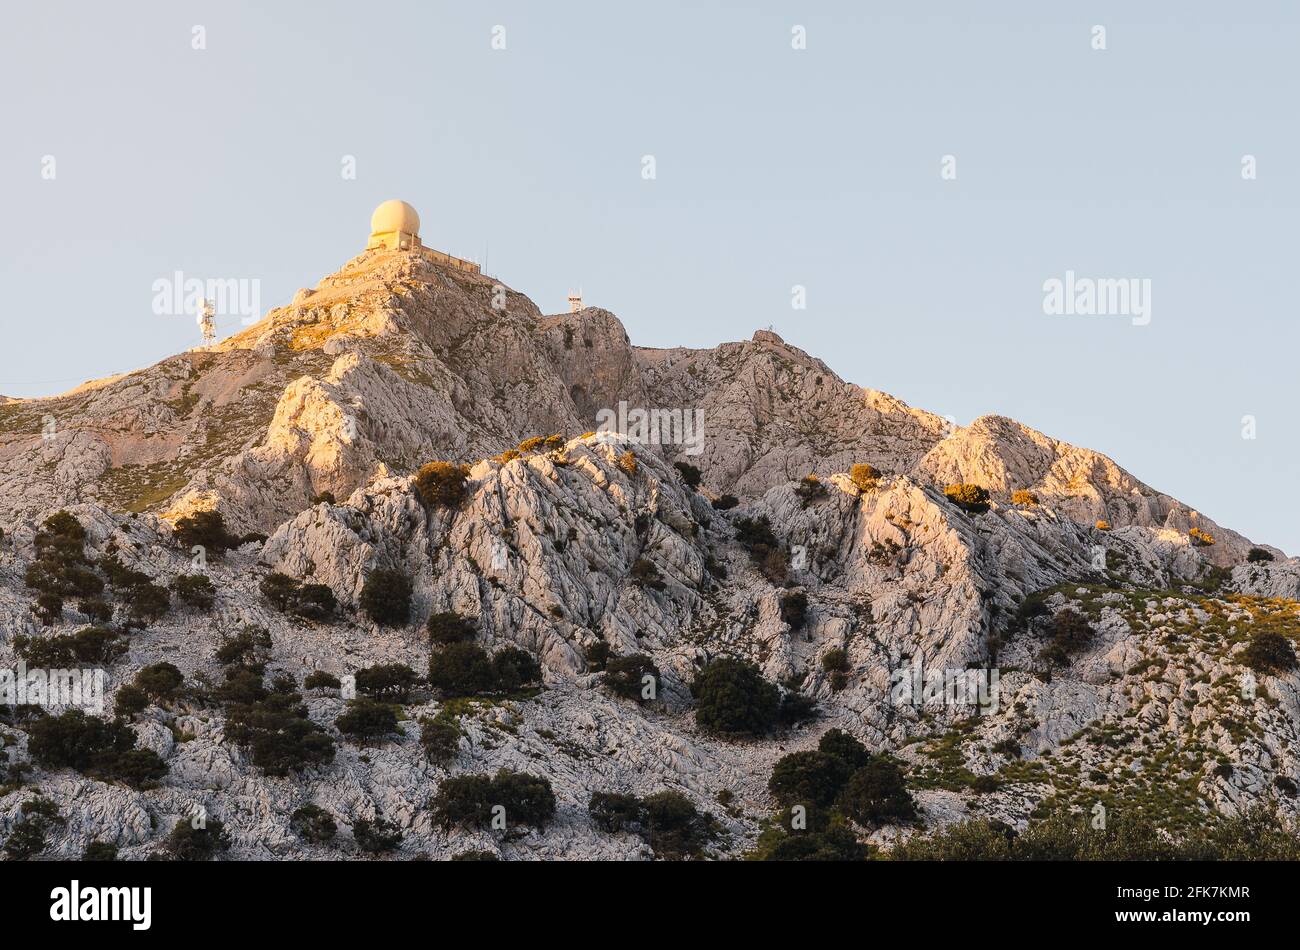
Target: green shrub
129, 701
674, 828
440, 740
319, 679
725, 502
276, 731
613, 812
147, 603
732, 698
626, 676
312, 823
841, 745
205, 529
366, 720
1070, 634
475, 856
443, 484
1269, 652
386, 597
514, 669
27, 838
100, 851
249, 648
160, 681
796, 708
311, 602
188, 843
98, 645
968, 497
392, 681
597, 655
813, 779
97, 610
865, 477
1258, 555
835, 843
461, 669
195, 590
449, 627
469, 800
877, 792
376, 837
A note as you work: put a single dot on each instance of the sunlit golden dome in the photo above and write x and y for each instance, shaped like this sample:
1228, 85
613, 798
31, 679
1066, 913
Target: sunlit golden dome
395, 216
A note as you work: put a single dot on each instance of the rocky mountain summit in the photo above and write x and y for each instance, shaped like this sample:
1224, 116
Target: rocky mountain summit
238, 531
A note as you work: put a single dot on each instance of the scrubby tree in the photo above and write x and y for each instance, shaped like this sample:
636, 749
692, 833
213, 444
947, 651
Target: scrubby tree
865, 477
626, 676
691, 475
366, 720
968, 497
189, 843
386, 597
205, 529
877, 793
443, 484
461, 669
733, 698
1269, 652
450, 627
377, 836
312, 823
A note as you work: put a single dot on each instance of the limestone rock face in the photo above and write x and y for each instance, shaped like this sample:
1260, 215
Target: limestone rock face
308, 428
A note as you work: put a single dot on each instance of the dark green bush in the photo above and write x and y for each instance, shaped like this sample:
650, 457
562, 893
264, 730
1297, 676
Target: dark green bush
386, 597
1258, 556
450, 627
597, 655
160, 681
645, 574
440, 740
366, 720
732, 698
514, 669
319, 679
461, 669
188, 843
376, 837
100, 851
1070, 633
1269, 652
831, 844
469, 800
876, 793
312, 823
195, 590
844, 747
725, 502
276, 731
813, 779
391, 681
27, 838
626, 676
205, 529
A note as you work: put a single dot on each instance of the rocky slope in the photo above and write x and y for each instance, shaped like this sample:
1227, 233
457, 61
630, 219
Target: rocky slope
308, 426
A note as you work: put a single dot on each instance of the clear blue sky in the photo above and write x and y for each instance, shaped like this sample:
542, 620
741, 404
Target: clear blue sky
775, 167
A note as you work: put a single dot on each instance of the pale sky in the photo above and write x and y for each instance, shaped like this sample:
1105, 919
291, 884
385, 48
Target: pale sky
775, 167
